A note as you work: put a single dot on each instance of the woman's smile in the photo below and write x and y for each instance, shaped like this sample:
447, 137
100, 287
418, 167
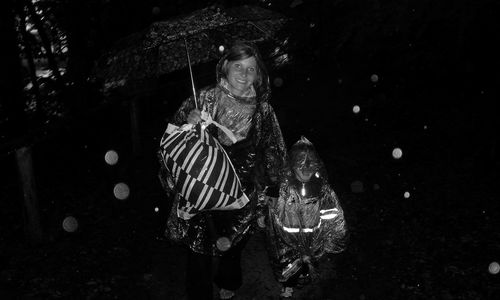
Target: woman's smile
241, 74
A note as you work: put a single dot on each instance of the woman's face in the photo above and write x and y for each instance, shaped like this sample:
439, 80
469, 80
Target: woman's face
241, 74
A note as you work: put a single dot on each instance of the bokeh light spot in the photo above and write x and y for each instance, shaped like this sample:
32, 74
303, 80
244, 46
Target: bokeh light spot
397, 153
70, 224
111, 157
121, 191
494, 268
278, 81
223, 243
357, 186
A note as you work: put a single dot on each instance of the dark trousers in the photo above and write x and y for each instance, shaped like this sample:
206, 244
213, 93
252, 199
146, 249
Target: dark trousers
202, 270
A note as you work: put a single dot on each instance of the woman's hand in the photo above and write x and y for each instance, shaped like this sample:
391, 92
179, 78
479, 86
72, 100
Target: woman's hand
194, 117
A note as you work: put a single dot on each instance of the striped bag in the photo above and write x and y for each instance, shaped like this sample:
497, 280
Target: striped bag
202, 172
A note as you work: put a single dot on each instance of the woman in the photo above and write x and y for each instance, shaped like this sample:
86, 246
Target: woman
239, 101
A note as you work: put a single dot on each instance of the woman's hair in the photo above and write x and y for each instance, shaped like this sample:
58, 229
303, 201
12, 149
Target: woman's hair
242, 50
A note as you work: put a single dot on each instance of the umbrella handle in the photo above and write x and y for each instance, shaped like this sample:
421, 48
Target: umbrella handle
191, 73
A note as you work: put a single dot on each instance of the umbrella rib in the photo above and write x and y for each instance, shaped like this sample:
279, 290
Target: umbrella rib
264, 32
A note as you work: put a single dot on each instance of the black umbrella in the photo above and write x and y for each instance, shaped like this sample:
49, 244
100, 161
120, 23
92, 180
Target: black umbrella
160, 49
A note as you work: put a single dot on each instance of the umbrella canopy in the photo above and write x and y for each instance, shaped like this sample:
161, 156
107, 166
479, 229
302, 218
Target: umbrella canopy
160, 49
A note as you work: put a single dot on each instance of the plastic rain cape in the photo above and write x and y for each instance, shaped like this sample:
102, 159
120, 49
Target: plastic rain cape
306, 220
257, 157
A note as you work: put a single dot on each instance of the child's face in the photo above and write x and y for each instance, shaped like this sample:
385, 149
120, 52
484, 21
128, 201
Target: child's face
303, 175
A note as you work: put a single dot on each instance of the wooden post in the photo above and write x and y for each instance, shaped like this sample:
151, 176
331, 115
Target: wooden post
32, 225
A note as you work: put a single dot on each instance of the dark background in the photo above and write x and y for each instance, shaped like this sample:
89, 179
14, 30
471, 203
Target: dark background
436, 63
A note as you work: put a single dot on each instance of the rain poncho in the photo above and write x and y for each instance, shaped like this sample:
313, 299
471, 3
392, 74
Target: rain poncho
306, 220
257, 157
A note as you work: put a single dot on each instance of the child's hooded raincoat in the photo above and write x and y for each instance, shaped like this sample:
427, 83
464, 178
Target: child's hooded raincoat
306, 220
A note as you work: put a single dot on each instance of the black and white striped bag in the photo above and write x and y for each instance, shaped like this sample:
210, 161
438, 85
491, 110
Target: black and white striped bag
202, 172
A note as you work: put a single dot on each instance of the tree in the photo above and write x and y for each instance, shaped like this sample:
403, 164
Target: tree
12, 99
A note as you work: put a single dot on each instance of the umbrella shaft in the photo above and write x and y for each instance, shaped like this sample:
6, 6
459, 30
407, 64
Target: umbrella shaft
191, 74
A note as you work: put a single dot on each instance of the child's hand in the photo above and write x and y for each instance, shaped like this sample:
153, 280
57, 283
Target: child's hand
261, 222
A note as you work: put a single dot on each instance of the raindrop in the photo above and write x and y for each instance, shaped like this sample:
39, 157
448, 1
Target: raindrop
121, 191
374, 78
355, 109
223, 243
407, 195
155, 11
111, 157
494, 268
70, 224
278, 81
397, 153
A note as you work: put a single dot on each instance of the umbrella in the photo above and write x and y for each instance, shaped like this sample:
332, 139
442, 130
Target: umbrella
160, 48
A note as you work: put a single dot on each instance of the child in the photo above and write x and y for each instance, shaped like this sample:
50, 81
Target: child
305, 221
